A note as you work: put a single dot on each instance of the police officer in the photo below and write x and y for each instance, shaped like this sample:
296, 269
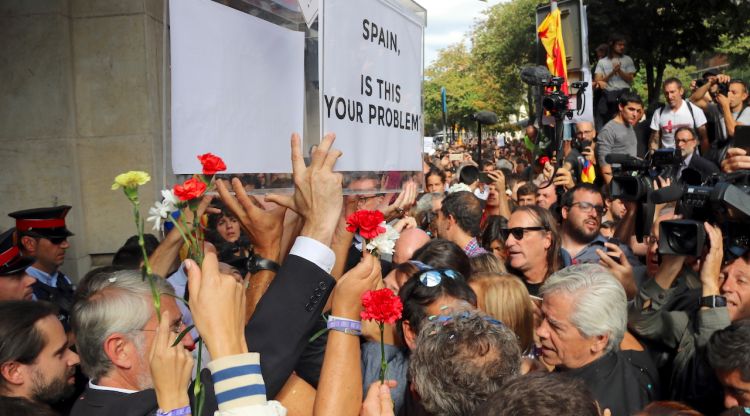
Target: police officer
42, 234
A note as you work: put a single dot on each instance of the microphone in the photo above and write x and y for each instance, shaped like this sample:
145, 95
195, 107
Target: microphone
667, 194
484, 117
535, 75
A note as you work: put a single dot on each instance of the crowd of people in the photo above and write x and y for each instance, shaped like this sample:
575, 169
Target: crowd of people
526, 289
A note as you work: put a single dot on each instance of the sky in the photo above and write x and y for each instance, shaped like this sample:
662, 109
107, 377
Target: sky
448, 21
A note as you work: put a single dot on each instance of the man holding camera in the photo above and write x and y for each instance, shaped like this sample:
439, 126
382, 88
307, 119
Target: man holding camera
684, 330
724, 98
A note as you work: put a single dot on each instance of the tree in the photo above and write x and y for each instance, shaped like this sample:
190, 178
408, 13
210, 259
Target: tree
666, 32
503, 44
452, 70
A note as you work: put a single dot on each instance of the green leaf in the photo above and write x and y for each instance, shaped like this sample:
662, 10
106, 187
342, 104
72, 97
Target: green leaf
182, 334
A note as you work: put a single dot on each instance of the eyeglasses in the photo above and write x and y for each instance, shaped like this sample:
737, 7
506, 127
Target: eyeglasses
434, 277
518, 232
364, 199
56, 240
683, 141
587, 207
175, 328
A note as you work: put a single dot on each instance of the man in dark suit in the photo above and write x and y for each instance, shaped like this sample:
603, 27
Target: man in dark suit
280, 326
115, 325
694, 168
42, 234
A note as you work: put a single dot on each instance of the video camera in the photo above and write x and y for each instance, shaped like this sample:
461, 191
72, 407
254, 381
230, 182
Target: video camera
633, 180
722, 88
722, 200
556, 101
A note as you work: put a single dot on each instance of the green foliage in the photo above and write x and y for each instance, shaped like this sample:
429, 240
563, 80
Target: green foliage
451, 70
664, 33
503, 44
487, 76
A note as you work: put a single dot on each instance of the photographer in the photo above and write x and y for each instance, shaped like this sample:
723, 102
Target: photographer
725, 99
684, 330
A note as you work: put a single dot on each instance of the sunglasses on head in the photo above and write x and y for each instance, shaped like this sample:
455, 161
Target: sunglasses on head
434, 277
518, 232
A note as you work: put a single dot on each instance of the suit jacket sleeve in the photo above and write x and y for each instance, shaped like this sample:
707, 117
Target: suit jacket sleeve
284, 318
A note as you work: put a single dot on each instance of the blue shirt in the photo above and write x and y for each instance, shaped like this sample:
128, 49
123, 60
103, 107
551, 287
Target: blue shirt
44, 277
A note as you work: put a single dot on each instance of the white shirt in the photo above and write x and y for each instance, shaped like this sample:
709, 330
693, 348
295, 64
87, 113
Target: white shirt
668, 121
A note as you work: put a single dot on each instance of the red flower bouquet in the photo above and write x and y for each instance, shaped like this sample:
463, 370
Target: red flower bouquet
211, 164
191, 189
382, 306
368, 223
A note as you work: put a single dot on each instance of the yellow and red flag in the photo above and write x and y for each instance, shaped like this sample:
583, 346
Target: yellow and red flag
550, 33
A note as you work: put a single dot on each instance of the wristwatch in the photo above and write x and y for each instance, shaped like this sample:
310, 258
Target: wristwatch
713, 301
256, 264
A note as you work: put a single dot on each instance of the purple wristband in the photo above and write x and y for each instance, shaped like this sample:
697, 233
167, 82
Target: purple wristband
182, 411
346, 326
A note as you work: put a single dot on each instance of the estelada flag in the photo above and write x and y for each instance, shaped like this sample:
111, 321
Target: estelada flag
550, 33
588, 174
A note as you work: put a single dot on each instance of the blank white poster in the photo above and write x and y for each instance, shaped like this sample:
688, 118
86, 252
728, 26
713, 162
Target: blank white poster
237, 88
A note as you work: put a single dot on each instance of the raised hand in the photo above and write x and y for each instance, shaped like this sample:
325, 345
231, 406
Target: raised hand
406, 198
621, 269
378, 401
349, 289
264, 227
170, 367
318, 196
217, 302
711, 267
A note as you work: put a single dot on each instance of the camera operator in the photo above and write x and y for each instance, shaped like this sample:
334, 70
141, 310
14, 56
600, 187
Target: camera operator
724, 102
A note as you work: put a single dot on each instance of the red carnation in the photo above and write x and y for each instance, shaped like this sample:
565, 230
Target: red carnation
543, 160
368, 223
212, 164
191, 189
381, 305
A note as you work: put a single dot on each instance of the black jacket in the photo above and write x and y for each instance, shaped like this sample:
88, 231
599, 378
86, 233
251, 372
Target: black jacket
95, 402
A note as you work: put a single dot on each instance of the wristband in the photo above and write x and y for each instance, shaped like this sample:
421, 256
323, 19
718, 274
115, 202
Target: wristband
347, 326
256, 264
182, 411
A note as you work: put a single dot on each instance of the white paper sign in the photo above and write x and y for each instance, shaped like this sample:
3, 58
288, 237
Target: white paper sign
371, 84
237, 88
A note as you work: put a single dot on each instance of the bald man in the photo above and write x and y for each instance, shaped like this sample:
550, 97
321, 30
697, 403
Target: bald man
408, 242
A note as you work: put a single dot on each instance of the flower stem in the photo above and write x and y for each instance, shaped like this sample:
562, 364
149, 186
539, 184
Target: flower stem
383, 363
198, 389
146, 269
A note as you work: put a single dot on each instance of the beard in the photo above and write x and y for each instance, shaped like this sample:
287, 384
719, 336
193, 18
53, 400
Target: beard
53, 391
580, 234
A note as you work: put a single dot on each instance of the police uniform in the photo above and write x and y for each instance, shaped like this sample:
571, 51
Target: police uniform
12, 262
48, 223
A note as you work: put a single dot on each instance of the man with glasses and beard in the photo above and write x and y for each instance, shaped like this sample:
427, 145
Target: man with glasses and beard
42, 234
582, 211
35, 361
